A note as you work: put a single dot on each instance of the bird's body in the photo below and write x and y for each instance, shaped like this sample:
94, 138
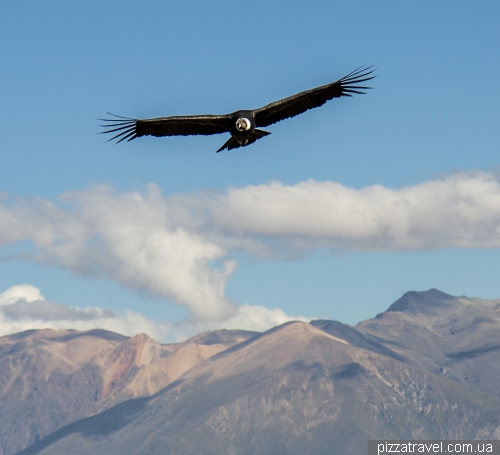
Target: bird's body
242, 128
242, 125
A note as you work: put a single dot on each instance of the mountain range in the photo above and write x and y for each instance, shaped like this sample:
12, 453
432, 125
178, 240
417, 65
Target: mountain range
427, 368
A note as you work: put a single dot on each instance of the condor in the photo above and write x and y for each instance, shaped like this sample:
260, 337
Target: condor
242, 125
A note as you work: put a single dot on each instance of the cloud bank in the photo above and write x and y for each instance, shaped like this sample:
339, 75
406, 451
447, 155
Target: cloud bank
460, 211
181, 247
23, 307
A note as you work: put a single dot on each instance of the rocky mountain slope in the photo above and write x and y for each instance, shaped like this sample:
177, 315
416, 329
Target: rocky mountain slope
50, 378
426, 368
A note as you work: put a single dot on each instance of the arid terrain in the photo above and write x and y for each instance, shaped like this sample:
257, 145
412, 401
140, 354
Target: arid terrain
426, 368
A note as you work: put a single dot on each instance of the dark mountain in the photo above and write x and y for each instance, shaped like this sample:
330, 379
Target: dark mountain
426, 368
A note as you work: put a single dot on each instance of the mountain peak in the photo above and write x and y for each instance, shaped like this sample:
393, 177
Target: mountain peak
420, 301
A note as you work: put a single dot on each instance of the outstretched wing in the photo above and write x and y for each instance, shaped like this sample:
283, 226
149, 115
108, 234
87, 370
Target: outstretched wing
129, 128
316, 97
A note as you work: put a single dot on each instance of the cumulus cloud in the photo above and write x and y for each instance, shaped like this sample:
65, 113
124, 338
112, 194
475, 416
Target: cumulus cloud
138, 240
26, 302
460, 211
247, 317
181, 247
24, 292
23, 307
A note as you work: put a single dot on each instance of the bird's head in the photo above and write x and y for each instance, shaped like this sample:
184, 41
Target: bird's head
243, 124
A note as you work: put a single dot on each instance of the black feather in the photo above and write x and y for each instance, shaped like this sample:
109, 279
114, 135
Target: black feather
130, 128
310, 99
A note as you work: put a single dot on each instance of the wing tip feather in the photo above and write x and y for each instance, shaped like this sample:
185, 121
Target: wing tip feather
126, 125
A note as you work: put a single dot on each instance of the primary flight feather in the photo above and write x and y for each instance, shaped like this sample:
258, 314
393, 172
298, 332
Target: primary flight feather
242, 125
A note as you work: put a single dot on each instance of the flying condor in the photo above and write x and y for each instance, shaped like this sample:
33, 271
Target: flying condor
242, 125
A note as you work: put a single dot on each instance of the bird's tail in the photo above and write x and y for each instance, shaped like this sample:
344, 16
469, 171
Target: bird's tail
235, 142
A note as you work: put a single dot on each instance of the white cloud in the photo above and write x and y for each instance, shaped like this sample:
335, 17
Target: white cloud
25, 292
40, 314
134, 239
460, 211
180, 247
248, 317
26, 302
23, 307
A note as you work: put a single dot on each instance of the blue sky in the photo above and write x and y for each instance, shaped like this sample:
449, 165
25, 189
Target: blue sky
432, 116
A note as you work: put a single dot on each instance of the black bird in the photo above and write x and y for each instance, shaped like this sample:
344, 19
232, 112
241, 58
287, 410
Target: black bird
241, 124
